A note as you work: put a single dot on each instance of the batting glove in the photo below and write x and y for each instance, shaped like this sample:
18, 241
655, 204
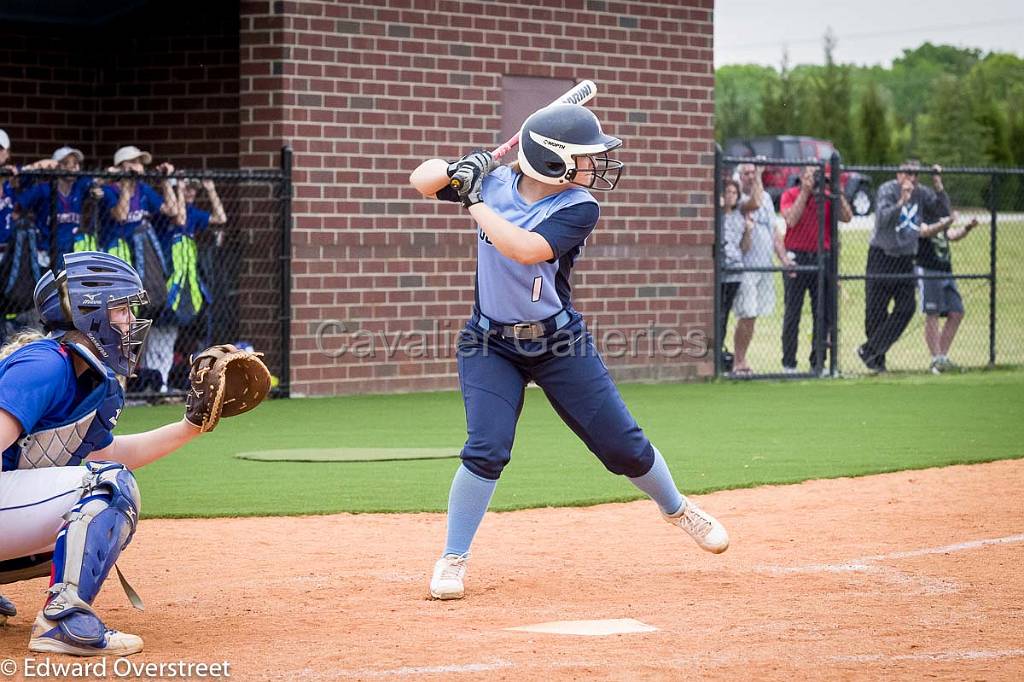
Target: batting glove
470, 167
472, 193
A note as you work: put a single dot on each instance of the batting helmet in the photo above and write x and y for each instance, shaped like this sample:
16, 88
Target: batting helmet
552, 140
81, 297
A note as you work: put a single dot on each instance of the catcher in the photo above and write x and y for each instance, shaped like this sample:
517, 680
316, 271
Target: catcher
67, 494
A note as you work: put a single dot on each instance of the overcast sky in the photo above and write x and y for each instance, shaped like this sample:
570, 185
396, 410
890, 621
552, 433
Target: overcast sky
869, 31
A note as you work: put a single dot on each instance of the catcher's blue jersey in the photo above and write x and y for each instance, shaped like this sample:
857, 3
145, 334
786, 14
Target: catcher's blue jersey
507, 291
63, 418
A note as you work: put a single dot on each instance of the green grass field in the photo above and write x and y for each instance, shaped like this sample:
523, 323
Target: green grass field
715, 436
970, 349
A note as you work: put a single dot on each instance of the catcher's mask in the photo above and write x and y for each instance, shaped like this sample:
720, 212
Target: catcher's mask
554, 139
99, 295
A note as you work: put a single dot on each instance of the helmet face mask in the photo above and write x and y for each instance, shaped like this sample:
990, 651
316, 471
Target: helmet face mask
121, 318
98, 295
603, 174
553, 141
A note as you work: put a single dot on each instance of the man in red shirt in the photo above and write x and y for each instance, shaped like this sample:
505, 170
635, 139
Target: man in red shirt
799, 206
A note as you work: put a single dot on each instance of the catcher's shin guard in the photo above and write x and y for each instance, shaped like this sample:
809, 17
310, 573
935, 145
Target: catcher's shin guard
95, 531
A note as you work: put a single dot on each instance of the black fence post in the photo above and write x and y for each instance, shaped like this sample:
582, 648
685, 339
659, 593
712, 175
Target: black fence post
818, 340
993, 204
52, 246
836, 163
285, 316
719, 332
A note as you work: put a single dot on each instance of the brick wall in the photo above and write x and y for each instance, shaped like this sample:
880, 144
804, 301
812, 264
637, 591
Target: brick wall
364, 92
163, 76
173, 84
47, 94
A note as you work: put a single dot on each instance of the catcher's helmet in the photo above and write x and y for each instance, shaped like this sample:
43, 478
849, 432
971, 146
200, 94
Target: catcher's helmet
553, 138
81, 297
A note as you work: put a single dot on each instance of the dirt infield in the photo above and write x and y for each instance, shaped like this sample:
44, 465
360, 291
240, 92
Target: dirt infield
907, 575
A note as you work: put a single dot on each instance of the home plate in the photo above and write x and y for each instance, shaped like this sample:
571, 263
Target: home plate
588, 628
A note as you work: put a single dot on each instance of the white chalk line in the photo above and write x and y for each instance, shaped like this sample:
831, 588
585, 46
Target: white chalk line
948, 549
934, 656
924, 584
863, 564
426, 670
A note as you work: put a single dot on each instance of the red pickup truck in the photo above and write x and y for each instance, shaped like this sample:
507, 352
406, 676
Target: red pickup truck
777, 179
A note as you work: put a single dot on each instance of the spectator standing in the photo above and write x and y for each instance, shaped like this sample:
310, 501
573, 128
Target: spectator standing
187, 295
901, 208
940, 296
18, 258
129, 207
130, 201
799, 206
756, 297
735, 231
8, 196
72, 193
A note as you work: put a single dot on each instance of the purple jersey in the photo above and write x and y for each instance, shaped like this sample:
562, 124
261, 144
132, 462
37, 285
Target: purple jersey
7, 197
145, 202
69, 211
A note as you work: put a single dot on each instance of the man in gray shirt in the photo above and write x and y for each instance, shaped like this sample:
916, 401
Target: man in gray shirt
902, 206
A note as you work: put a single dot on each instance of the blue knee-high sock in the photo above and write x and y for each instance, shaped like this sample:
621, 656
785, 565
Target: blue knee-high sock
467, 502
659, 485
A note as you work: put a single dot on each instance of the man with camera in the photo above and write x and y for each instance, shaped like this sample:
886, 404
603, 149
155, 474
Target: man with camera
903, 207
800, 207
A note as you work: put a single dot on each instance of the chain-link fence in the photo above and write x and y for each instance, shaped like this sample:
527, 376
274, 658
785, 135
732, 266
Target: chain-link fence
775, 298
212, 249
924, 280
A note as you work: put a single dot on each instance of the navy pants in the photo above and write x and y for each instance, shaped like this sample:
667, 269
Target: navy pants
493, 373
883, 328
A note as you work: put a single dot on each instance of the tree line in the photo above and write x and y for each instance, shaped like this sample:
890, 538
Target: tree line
956, 106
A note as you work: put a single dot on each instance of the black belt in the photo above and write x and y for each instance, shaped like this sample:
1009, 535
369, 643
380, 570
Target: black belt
524, 331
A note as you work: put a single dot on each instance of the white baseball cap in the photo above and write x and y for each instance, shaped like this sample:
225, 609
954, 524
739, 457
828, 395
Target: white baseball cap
5, 141
130, 153
65, 152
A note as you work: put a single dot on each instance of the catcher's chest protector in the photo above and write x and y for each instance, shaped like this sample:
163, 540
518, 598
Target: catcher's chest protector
84, 429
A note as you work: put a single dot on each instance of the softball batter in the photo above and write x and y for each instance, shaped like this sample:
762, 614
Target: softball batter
67, 494
533, 219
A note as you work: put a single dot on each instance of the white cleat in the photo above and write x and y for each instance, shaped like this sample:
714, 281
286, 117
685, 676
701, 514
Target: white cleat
449, 572
48, 638
701, 526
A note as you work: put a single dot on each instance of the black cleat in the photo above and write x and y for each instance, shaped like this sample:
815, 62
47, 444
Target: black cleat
872, 362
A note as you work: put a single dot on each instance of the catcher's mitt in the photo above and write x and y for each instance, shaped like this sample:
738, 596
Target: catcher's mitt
224, 381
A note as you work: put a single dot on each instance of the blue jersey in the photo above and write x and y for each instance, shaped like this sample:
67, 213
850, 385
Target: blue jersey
6, 209
145, 202
196, 220
63, 418
507, 291
69, 211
